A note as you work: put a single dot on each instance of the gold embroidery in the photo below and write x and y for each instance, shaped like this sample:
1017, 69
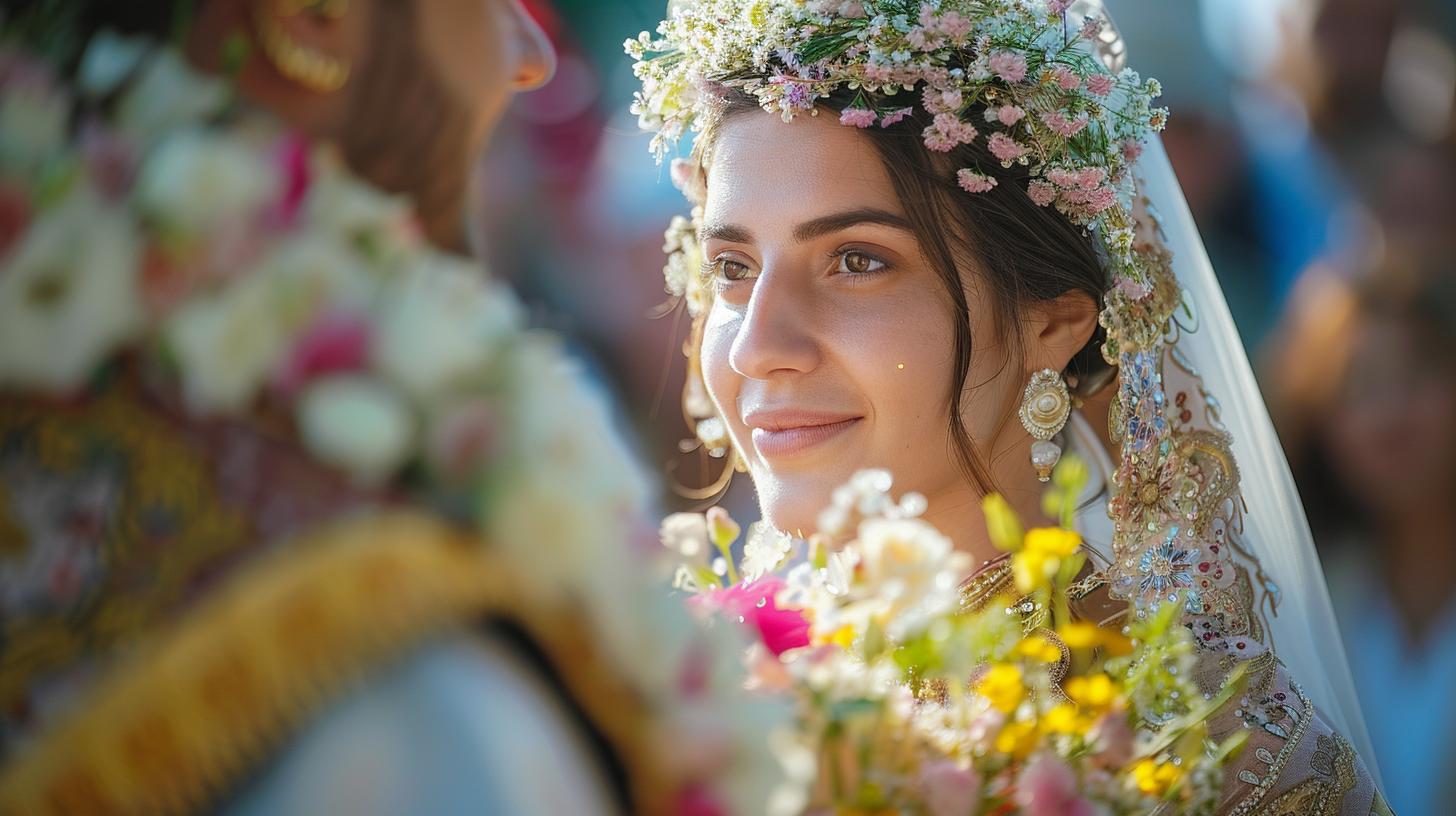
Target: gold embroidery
1323, 794
193, 712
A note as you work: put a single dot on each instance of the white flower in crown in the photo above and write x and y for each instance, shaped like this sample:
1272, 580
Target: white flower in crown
197, 179
65, 304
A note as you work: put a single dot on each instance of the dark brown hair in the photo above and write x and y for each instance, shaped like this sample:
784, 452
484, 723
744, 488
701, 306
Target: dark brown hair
1023, 254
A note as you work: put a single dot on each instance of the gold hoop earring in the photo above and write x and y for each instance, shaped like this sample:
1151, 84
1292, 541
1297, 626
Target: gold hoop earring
1045, 407
309, 67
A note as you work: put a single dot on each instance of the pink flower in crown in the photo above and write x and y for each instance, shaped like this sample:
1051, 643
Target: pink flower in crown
877, 73
951, 100
1101, 84
1066, 78
1005, 148
921, 38
1042, 194
1089, 178
754, 603
334, 344
1057, 6
894, 116
1062, 177
955, 26
973, 182
1009, 115
937, 140
1061, 125
852, 9
1131, 150
1133, 289
1008, 65
949, 789
1091, 27
857, 117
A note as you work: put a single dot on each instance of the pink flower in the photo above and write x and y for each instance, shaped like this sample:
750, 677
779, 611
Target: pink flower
938, 141
1091, 27
894, 116
1132, 289
954, 25
779, 629
874, 72
1042, 194
1110, 735
1131, 149
985, 727
1057, 6
1046, 787
1060, 124
922, 39
950, 790
1101, 84
1009, 115
1066, 78
857, 117
697, 800
293, 166
1008, 65
1005, 148
110, 160
973, 182
335, 343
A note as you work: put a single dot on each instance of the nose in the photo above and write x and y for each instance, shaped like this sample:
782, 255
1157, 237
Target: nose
775, 337
536, 58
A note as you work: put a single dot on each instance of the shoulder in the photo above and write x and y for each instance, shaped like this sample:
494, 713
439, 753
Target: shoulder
463, 725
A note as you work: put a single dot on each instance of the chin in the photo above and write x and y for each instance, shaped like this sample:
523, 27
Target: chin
793, 504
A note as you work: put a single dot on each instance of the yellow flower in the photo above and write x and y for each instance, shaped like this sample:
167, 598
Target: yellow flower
1002, 523
1041, 556
1082, 635
1039, 648
1064, 719
1003, 686
1095, 691
1155, 778
843, 637
1017, 739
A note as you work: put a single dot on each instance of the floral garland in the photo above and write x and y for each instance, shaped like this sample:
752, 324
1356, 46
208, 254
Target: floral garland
230, 261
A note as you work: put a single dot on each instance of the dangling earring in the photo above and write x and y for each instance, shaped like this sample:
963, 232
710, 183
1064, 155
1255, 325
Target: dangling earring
1045, 407
309, 67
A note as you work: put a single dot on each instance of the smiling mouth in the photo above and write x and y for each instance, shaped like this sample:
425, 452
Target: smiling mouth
783, 442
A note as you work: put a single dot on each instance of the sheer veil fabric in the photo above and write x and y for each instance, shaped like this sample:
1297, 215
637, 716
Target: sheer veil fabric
1266, 525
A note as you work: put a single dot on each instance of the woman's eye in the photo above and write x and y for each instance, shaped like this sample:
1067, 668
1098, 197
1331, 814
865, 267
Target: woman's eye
730, 270
858, 263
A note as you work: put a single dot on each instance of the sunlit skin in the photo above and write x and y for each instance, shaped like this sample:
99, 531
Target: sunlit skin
829, 347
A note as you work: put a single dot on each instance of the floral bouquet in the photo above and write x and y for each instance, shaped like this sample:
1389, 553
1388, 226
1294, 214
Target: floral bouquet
913, 697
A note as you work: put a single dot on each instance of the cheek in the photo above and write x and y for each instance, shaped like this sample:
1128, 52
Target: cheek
719, 331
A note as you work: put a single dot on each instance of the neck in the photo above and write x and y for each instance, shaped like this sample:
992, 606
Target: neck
957, 512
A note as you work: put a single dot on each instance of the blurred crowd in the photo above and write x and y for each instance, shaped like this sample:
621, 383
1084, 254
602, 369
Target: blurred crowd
1314, 140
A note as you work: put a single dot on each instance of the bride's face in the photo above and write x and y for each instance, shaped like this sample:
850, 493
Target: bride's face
830, 344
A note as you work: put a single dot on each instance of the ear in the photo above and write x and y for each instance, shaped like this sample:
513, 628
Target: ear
309, 45
1055, 330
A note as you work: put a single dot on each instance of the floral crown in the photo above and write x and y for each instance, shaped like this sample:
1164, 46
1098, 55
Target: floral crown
1037, 83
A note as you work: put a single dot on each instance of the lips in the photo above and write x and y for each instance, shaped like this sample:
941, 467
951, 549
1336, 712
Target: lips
788, 432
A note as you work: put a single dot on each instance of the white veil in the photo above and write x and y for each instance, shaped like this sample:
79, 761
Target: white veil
1290, 587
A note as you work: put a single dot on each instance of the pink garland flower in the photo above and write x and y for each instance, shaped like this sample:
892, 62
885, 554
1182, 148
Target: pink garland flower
1066, 78
949, 789
1042, 194
753, 603
857, 117
1005, 148
336, 343
1047, 787
1009, 115
1008, 65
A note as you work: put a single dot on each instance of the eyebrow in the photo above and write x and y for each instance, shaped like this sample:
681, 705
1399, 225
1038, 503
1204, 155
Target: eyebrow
814, 228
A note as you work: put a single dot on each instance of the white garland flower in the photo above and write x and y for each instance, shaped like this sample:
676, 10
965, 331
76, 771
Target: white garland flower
912, 568
33, 117
166, 96
197, 179
357, 424
442, 325
67, 304
226, 345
